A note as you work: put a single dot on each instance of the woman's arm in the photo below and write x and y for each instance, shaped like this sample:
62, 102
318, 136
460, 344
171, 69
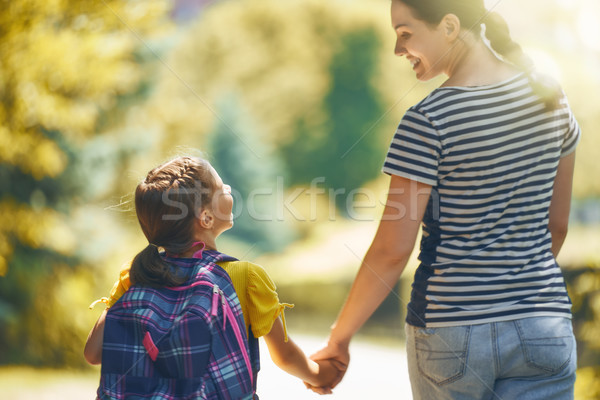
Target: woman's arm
560, 205
382, 265
93, 346
290, 358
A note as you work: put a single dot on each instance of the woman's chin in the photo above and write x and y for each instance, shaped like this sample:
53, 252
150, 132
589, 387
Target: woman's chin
425, 77
425, 74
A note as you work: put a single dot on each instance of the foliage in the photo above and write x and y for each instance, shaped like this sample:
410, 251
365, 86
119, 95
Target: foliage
584, 289
587, 385
343, 150
253, 178
65, 67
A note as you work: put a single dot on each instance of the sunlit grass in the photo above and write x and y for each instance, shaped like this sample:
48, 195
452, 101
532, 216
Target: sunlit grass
28, 383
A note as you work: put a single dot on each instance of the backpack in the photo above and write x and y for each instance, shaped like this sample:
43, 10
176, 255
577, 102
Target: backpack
186, 342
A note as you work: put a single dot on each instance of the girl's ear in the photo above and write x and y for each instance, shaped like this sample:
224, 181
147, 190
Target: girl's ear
206, 219
450, 26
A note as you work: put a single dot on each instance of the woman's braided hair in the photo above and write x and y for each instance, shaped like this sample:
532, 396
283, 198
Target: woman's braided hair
473, 15
166, 203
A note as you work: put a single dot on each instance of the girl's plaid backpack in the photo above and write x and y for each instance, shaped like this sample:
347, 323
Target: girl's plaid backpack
186, 342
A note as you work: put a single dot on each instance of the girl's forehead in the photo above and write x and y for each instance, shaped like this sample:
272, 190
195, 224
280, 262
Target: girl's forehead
216, 176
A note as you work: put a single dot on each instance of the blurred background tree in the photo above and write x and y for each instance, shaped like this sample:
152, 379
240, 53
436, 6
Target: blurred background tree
68, 71
254, 184
583, 283
340, 148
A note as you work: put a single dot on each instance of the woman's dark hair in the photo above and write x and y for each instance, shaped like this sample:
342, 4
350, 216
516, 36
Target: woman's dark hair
472, 15
166, 202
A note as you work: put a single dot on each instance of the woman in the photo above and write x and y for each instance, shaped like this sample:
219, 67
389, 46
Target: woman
485, 165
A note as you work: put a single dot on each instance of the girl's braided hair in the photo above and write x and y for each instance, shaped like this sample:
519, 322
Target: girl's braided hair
473, 15
166, 203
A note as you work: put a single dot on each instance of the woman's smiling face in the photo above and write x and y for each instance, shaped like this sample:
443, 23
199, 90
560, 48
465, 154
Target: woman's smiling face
424, 46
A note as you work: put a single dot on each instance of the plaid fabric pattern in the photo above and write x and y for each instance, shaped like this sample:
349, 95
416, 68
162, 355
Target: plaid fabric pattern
196, 354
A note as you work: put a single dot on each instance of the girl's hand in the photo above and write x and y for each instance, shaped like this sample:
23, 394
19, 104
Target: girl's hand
93, 346
336, 355
330, 372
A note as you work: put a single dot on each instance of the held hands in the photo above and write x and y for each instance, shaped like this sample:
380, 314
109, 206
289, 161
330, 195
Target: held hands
333, 362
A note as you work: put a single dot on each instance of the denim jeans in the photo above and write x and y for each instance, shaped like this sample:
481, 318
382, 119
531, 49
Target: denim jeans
524, 359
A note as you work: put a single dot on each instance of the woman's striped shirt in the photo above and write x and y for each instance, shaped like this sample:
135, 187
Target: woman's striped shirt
490, 154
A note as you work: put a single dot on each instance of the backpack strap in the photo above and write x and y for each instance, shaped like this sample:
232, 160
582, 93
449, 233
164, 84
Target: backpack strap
228, 315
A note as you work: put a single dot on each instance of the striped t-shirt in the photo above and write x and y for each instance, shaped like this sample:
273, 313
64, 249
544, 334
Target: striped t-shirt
490, 154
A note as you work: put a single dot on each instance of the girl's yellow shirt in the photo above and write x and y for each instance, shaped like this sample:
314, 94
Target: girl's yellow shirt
255, 289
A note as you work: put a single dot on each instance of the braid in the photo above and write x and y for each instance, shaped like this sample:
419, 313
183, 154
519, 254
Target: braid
183, 173
175, 173
501, 42
183, 176
498, 34
166, 203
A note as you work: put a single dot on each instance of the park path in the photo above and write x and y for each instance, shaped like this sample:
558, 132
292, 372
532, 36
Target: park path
376, 371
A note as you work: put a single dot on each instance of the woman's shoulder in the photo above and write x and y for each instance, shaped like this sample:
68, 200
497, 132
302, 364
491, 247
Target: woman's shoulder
432, 102
448, 99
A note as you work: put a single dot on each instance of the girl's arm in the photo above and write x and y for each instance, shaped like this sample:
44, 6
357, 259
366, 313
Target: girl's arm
93, 346
560, 205
290, 358
382, 265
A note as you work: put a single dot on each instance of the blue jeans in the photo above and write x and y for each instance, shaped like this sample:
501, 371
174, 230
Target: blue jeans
524, 359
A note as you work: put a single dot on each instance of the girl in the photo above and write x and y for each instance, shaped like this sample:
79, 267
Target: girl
183, 206
485, 165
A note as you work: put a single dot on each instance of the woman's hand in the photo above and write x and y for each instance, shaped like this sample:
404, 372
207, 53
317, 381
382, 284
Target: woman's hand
337, 355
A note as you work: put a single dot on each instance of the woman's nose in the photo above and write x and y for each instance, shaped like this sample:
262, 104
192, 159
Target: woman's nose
399, 50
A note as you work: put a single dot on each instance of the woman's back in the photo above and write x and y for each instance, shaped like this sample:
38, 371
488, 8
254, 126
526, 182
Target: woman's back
491, 154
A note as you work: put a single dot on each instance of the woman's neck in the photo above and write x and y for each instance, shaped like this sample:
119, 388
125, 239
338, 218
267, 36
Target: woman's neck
474, 64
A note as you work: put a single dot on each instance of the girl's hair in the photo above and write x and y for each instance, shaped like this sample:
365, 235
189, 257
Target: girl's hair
166, 202
472, 14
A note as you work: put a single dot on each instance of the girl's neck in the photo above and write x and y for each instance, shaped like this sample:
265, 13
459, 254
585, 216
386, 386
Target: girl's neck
202, 244
474, 64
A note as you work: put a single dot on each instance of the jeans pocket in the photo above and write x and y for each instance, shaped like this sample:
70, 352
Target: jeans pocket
547, 342
442, 353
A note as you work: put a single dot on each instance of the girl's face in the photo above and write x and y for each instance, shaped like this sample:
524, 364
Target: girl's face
424, 46
222, 204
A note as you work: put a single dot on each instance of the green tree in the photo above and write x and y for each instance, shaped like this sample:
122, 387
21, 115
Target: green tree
345, 149
253, 173
67, 69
